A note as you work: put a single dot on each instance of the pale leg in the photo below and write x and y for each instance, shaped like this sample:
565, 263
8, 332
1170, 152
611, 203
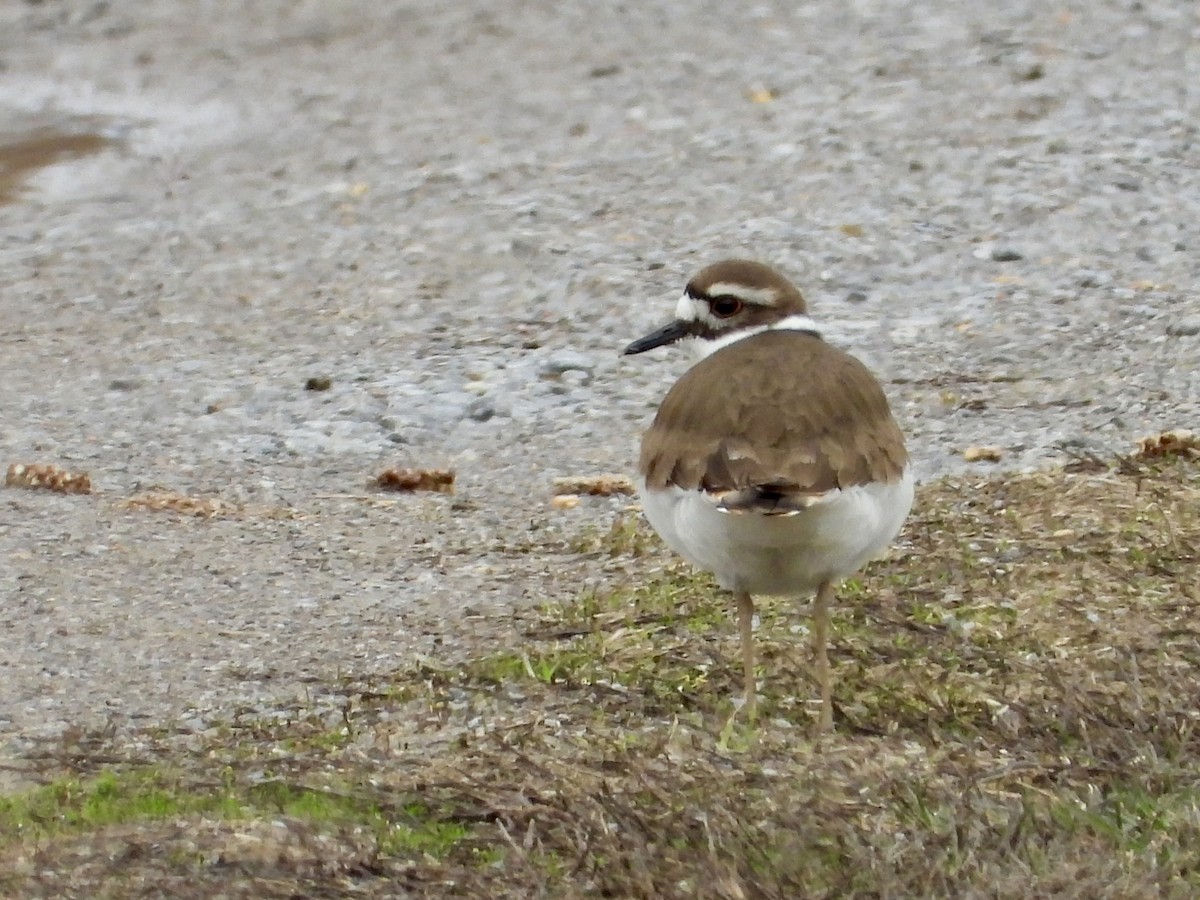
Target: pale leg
746, 625
820, 635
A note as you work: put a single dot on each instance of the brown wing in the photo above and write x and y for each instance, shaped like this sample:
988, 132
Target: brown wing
781, 415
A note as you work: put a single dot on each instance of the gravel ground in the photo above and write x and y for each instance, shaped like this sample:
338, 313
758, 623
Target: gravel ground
460, 213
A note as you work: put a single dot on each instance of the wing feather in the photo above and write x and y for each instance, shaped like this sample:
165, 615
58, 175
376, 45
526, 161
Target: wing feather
770, 423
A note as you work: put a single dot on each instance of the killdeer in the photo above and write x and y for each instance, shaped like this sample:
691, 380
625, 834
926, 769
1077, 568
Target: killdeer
774, 462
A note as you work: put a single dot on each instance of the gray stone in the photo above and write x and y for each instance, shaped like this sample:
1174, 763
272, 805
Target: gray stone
480, 410
1185, 327
576, 378
1094, 279
565, 361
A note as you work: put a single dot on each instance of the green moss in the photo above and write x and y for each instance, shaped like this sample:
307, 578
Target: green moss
71, 806
422, 833
112, 798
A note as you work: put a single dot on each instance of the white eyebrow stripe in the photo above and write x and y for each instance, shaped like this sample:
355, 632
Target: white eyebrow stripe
757, 296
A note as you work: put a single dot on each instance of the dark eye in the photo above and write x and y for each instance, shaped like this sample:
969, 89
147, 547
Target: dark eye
724, 307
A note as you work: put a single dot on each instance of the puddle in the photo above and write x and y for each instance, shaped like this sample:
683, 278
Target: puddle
22, 155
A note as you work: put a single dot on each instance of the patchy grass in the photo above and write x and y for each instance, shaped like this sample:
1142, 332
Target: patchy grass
1015, 704
145, 794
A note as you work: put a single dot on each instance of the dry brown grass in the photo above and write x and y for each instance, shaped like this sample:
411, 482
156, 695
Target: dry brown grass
1016, 709
162, 500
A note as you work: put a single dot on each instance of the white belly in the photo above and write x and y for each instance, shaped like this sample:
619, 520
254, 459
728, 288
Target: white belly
781, 555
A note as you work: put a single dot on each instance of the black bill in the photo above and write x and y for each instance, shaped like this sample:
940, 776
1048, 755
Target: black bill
668, 334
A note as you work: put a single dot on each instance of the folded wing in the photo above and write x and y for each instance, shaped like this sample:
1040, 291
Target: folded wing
774, 430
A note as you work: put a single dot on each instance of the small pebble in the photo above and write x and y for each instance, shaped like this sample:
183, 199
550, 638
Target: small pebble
1031, 72
1185, 327
480, 410
524, 246
576, 377
565, 361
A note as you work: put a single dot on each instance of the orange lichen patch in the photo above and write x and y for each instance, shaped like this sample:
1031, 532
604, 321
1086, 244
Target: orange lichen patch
47, 477
438, 480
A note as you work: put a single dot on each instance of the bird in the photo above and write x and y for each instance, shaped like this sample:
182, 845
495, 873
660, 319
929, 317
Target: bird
775, 461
